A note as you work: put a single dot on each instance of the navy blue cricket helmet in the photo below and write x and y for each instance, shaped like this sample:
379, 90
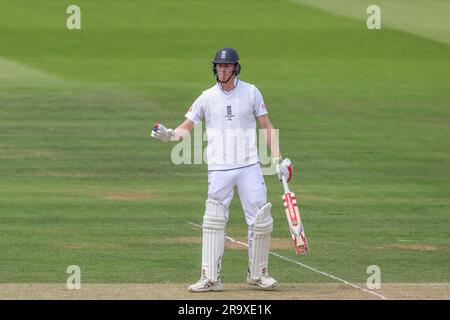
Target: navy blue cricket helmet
227, 55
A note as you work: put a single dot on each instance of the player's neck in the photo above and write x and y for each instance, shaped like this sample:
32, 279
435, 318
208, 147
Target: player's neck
230, 85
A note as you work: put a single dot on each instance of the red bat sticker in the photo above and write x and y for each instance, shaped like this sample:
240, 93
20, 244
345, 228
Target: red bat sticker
294, 220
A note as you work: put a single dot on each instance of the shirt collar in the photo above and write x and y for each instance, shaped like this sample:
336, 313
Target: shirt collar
236, 80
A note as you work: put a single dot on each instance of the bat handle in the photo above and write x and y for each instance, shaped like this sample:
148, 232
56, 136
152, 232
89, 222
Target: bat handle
285, 184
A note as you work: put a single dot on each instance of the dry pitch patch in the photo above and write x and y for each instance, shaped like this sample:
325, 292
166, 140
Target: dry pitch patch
237, 291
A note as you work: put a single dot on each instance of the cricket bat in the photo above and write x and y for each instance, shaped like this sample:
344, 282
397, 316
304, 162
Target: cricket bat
294, 221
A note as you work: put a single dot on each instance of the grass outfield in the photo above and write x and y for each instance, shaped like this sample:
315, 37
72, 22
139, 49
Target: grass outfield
430, 22
364, 116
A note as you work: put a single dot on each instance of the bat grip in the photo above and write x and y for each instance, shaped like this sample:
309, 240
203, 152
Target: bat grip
285, 184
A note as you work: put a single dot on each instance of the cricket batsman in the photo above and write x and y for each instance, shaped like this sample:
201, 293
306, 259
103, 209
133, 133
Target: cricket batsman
231, 108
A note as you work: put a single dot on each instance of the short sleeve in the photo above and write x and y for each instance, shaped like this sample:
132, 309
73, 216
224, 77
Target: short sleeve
260, 107
195, 112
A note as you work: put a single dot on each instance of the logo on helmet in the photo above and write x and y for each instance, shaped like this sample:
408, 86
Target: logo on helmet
224, 54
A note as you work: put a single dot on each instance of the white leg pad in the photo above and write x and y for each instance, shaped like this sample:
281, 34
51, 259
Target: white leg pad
214, 222
260, 244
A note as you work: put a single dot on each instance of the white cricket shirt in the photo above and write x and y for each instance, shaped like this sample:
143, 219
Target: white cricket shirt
230, 122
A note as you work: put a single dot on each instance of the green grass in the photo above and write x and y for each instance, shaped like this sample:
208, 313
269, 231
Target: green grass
364, 116
428, 19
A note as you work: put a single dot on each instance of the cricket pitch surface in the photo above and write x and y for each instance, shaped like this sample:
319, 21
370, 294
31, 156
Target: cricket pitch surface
160, 291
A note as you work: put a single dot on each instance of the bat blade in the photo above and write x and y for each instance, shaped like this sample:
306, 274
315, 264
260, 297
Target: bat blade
295, 223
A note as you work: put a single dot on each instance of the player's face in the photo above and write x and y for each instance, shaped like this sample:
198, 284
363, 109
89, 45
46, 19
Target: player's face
224, 70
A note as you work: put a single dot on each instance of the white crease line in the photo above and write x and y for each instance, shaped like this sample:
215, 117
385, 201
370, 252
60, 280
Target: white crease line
305, 266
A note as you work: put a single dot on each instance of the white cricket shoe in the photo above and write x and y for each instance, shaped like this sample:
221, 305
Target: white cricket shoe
204, 285
264, 282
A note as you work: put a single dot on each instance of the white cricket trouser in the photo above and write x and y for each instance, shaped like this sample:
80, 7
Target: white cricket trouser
250, 186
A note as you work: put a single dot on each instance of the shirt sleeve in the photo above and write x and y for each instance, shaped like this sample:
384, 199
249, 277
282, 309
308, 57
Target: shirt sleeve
259, 107
195, 112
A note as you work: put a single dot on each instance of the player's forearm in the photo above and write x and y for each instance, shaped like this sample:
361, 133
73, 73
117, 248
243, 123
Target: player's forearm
183, 130
272, 140
274, 144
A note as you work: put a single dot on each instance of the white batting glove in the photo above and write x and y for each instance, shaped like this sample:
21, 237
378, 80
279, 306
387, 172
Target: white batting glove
161, 133
284, 168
